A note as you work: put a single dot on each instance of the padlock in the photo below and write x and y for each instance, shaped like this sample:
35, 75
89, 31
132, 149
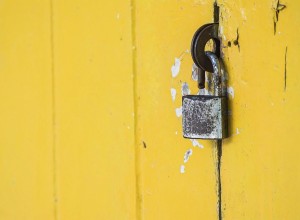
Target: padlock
205, 116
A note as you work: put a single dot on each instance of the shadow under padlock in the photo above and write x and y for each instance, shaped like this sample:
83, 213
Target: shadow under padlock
206, 116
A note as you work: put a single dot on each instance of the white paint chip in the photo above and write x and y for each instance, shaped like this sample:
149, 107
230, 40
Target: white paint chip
194, 72
185, 90
237, 131
203, 92
173, 94
178, 111
230, 92
176, 67
187, 155
182, 169
196, 143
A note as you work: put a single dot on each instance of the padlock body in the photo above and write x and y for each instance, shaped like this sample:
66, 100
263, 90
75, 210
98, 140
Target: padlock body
204, 117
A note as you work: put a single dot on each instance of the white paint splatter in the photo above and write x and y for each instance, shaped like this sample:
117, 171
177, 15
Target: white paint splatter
185, 89
173, 94
176, 67
237, 131
196, 143
178, 111
182, 169
230, 92
194, 72
187, 155
203, 92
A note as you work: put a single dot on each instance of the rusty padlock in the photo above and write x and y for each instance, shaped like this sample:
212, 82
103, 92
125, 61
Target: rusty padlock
205, 116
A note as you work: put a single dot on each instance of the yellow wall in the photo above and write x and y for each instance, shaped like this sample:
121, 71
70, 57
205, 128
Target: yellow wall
89, 129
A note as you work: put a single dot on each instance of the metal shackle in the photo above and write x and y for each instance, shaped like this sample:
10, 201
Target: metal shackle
218, 75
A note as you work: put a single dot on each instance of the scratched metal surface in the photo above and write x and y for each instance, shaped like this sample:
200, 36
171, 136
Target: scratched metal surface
202, 117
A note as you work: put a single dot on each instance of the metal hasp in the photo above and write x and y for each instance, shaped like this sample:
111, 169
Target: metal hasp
200, 38
205, 116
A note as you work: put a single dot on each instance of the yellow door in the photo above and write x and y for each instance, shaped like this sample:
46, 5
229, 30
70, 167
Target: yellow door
90, 117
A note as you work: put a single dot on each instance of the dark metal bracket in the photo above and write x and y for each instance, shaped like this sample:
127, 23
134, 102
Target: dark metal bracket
200, 38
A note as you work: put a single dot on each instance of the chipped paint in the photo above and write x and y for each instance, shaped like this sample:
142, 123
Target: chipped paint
176, 67
185, 90
196, 143
178, 111
182, 169
187, 155
203, 92
237, 131
173, 94
194, 72
230, 92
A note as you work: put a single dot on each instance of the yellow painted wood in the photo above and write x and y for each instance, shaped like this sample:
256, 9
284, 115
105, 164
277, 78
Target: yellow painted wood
94, 110
89, 129
26, 158
260, 164
163, 31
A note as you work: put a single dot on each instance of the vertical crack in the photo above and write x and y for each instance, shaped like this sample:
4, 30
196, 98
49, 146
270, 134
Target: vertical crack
277, 8
218, 143
285, 63
218, 177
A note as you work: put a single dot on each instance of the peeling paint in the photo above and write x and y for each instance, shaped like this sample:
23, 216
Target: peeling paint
173, 94
182, 169
203, 92
176, 67
230, 92
178, 111
196, 143
194, 72
187, 155
185, 89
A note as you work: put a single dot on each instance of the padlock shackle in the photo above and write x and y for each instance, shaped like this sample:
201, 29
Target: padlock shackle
218, 75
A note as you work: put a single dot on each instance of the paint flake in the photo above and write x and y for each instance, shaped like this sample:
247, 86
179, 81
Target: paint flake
176, 67
178, 111
185, 89
187, 155
182, 169
173, 94
196, 143
230, 92
194, 72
